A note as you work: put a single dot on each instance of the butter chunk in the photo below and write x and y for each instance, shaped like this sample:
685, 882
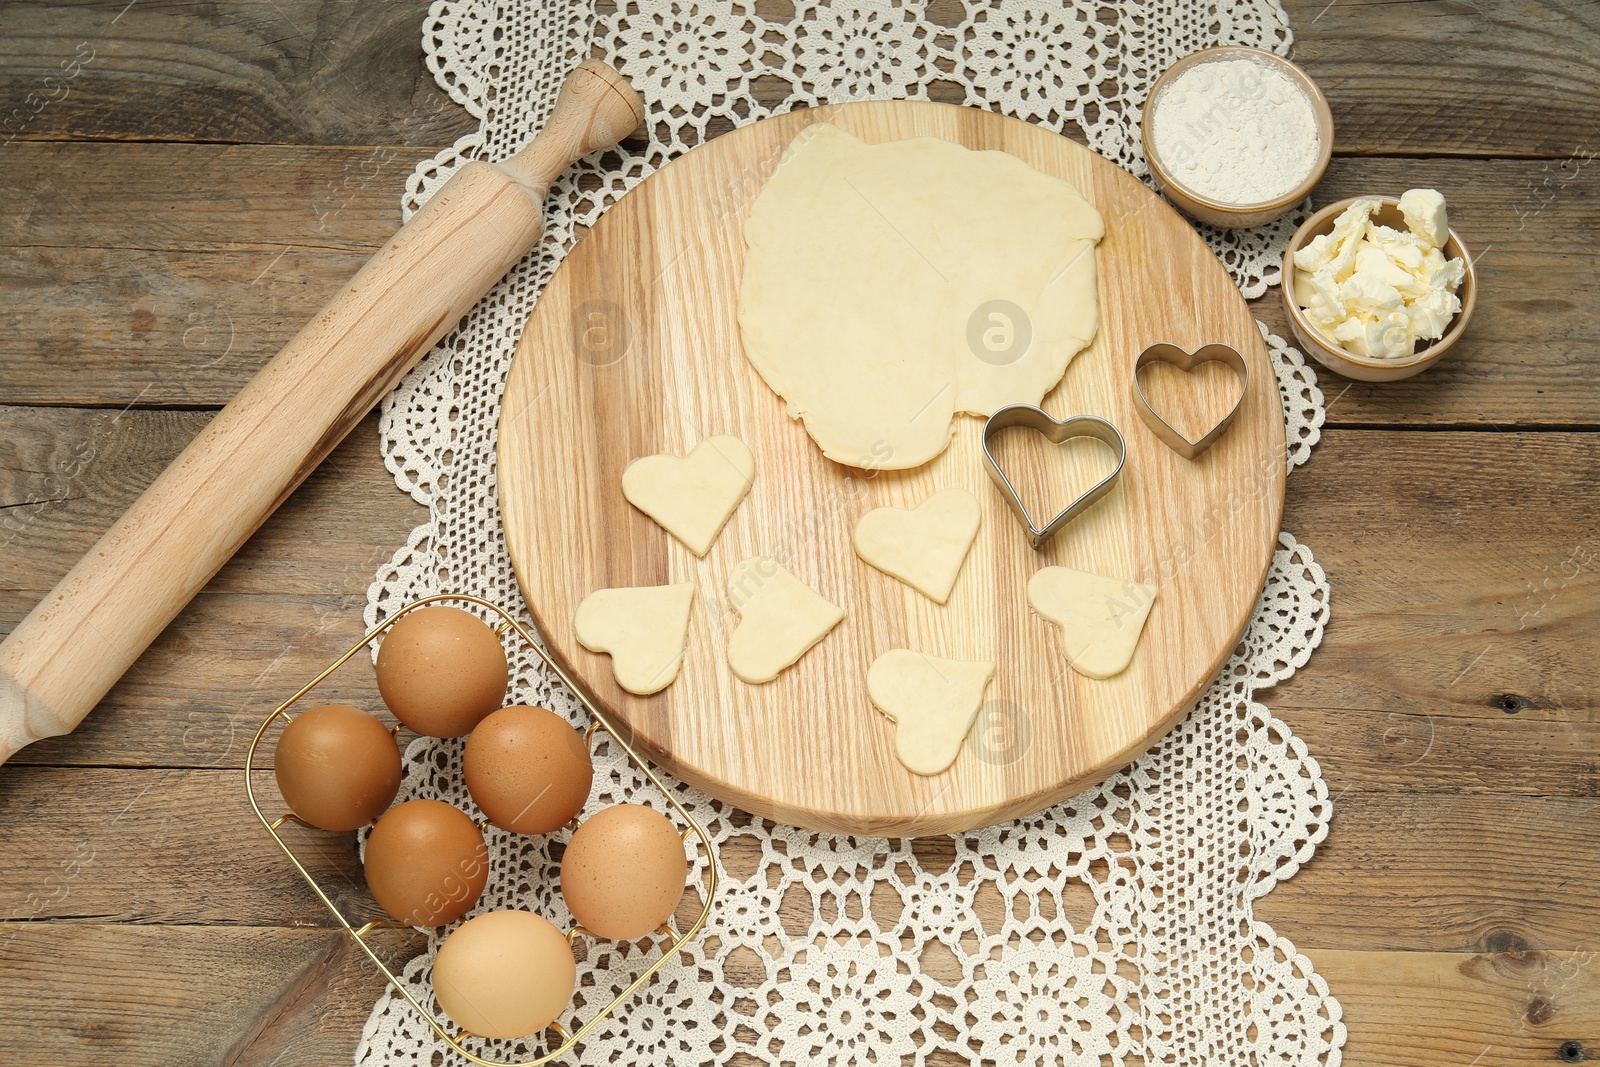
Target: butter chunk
1354, 219
1406, 249
1423, 210
1353, 333
1376, 263
1383, 338
1409, 257
1344, 261
1448, 276
1395, 336
1321, 297
1347, 229
1384, 264
1322, 314
1390, 238
1315, 253
1369, 296
1431, 314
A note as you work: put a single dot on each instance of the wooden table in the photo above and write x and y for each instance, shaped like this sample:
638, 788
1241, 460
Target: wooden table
178, 208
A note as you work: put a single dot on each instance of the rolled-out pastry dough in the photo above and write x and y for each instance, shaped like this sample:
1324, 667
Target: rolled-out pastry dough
887, 287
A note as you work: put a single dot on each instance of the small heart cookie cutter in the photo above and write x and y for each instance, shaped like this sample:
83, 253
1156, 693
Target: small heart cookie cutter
1056, 431
1165, 352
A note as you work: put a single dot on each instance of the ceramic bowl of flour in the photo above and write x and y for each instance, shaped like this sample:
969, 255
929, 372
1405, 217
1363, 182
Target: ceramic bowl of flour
1236, 136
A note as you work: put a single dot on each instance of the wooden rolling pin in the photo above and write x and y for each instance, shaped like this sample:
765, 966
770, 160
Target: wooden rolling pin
61, 659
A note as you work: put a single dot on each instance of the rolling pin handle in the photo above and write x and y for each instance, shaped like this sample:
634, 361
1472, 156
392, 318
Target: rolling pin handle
596, 108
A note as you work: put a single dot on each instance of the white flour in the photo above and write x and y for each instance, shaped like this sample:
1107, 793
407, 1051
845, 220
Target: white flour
1236, 131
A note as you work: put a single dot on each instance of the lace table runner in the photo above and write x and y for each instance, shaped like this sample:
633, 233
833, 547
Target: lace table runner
878, 955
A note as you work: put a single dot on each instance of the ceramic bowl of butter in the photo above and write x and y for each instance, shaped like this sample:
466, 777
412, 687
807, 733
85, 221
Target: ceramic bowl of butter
1236, 136
1338, 357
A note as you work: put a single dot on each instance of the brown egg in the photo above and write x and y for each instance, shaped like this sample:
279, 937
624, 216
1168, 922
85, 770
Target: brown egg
426, 863
337, 767
441, 670
623, 871
528, 770
504, 974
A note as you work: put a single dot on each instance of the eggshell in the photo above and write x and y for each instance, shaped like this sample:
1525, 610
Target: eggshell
426, 863
528, 770
623, 871
337, 767
504, 974
441, 670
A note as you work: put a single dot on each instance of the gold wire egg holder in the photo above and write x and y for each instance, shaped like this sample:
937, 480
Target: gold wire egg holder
569, 1038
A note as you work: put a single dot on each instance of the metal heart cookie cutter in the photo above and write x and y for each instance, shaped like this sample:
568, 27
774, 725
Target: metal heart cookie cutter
1163, 352
1056, 432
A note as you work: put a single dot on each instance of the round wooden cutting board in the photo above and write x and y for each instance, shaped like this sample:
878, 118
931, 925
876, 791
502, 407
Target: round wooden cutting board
634, 349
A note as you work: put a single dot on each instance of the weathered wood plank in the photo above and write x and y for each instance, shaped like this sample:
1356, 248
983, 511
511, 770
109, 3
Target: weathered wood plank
1465, 570
173, 846
1507, 1007
289, 71
1415, 871
203, 198
1413, 751
1454, 76
298, 998
142, 269
187, 996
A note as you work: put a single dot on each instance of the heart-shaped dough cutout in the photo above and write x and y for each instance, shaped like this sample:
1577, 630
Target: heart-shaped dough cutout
780, 618
932, 701
923, 547
692, 497
1100, 618
644, 628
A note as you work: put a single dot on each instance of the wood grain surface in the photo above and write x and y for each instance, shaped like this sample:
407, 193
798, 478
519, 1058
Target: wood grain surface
258, 150
661, 272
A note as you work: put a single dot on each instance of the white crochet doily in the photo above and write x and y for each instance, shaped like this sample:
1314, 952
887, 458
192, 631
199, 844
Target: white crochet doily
1118, 924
